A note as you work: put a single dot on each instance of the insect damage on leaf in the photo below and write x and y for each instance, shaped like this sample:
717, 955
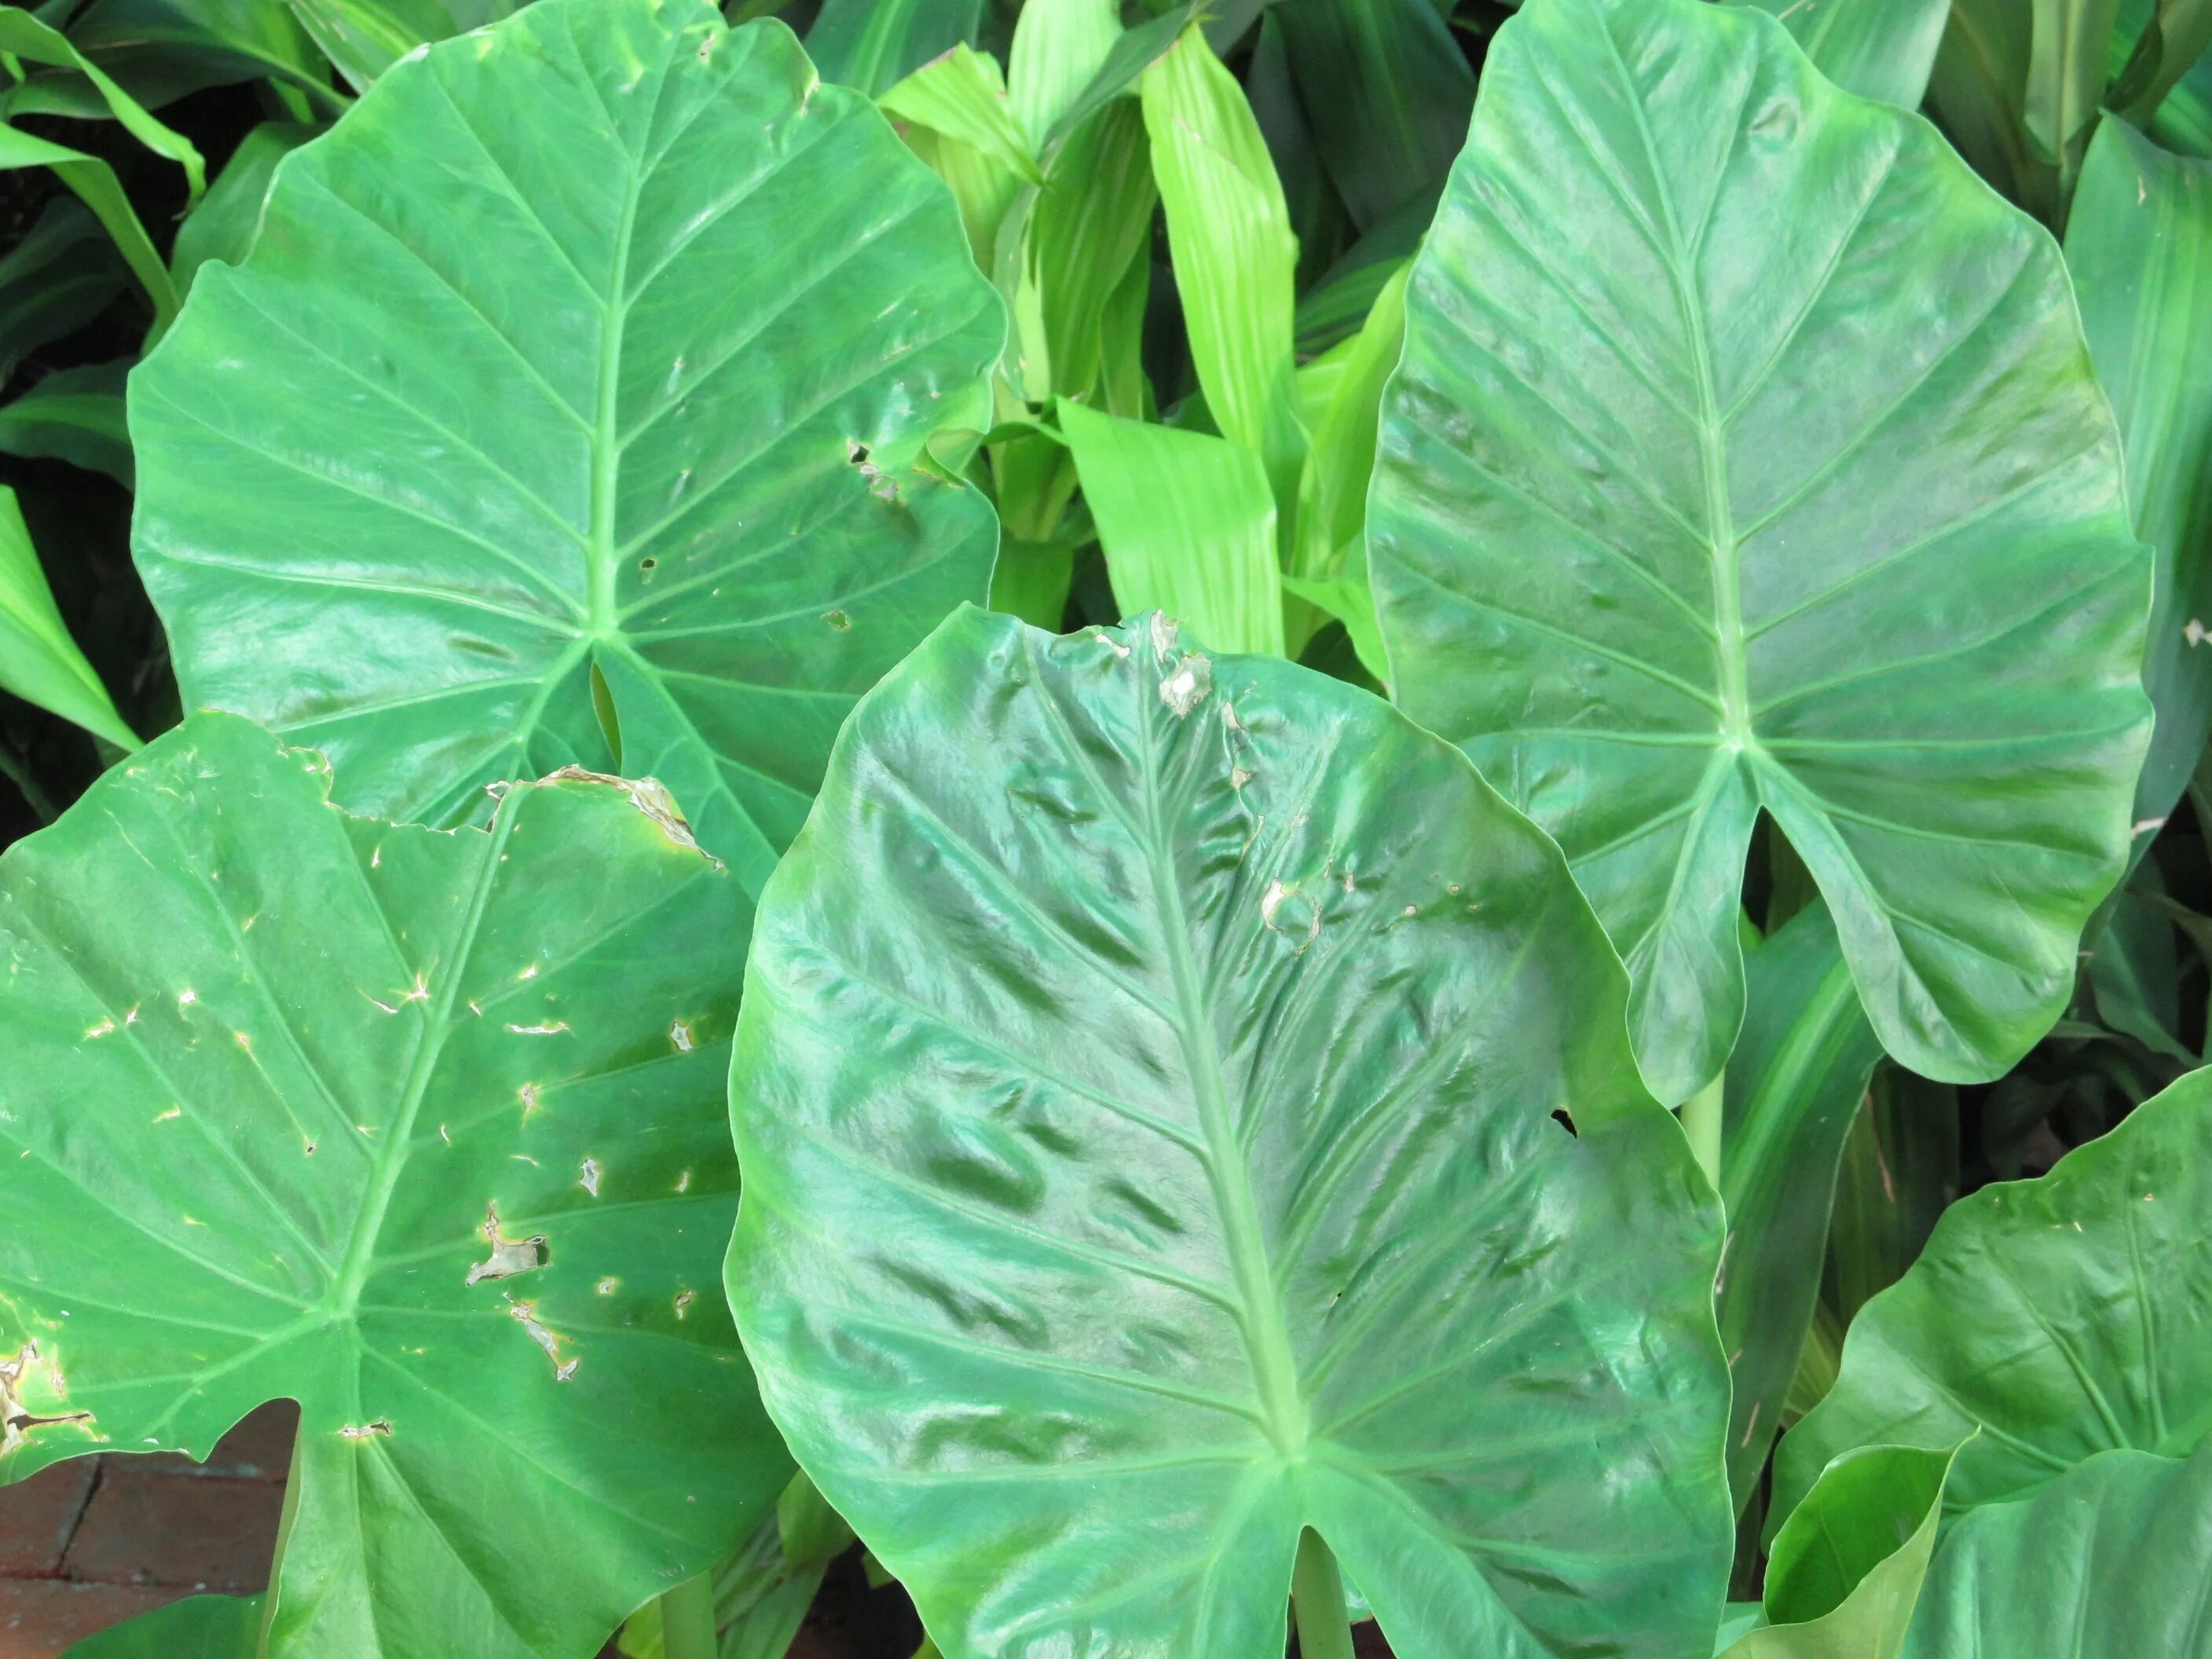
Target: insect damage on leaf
524, 1314
650, 797
509, 1256
17, 1424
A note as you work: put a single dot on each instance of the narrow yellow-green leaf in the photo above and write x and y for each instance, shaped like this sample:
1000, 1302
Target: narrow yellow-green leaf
95, 182
38, 660
1187, 523
26, 37
1089, 225
1059, 46
962, 96
1333, 492
1235, 256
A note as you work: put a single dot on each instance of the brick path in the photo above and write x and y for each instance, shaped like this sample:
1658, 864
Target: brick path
93, 1541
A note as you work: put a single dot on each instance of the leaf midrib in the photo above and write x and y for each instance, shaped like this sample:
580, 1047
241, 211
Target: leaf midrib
1267, 1336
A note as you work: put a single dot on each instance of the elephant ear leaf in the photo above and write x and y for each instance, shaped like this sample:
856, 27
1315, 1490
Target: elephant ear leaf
1182, 1106
424, 1131
2062, 1317
1746, 454
631, 488
198, 1627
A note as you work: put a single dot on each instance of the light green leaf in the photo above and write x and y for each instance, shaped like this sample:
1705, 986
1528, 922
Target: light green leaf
1795, 1083
25, 36
962, 96
1879, 49
96, 185
1059, 47
2106, 1562
1847, 1565
1348, 598
38, 660
222, 226
74, 414
198, 1627
1187, 525
2139, 244
1235, 257
1746, 454
2069, 41
2062, 1316
424, 1131
1145, 1095
1090, 233
1121, 72
1333, 491
1388, 92
873, 45
593, 467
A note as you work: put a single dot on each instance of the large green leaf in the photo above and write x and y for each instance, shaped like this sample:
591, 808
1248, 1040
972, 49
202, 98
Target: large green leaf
2111, 1561
2062, 1317
424, 1131
2139, 244
1795, 1084
222, 226
1146, 1092
1745, 453
1848, 1564
1880, 49
678, 318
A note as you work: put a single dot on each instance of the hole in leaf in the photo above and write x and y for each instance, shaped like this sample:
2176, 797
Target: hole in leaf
1560, 1117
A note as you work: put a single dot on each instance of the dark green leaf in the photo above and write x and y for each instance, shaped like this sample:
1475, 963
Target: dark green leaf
1145, 1097
1795, 1083
1879, 49
873, 45
74, 414
198, 1627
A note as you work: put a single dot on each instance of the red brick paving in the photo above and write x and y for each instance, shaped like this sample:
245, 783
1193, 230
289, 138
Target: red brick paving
88, 1543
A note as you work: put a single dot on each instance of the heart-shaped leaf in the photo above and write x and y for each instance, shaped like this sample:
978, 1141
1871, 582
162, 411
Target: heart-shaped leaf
1157, 1088
628, 488
1745, 453
2064, 1316
424, 1131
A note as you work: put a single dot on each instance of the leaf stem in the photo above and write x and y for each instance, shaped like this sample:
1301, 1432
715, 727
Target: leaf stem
1317, 1601
687, 1619
1701, 1123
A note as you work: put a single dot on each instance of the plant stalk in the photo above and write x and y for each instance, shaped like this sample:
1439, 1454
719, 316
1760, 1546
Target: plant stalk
1701, 1123
1317, 1601
687, 1619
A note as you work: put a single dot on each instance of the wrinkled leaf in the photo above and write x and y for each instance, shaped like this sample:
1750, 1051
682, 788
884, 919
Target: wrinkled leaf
593, 461
38, 660
1145, 1098
1187, 525
2062, 1317
1761, 464
424, 1131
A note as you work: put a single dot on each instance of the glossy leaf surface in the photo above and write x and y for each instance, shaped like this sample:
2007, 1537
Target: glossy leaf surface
592, 454
2062, 1317
424, 1131
1146, 1094
198, 1627
1745, 453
